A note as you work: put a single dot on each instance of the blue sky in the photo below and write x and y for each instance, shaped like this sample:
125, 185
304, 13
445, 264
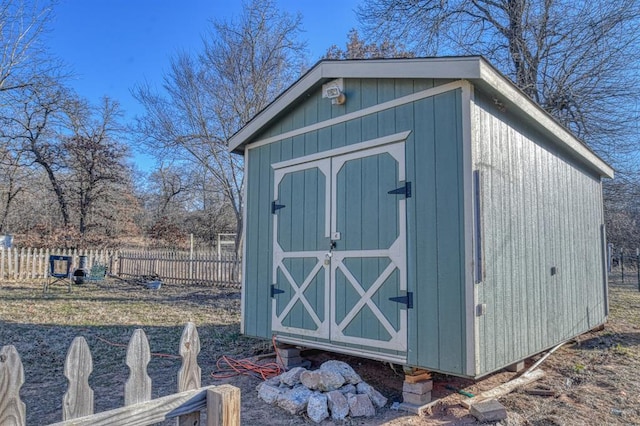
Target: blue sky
111, 45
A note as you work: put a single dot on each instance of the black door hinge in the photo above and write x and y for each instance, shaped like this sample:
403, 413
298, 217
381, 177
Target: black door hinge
275, 290
275, 207
407, 300
406, 190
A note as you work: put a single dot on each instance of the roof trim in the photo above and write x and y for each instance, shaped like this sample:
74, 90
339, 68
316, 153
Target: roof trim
457, 68
473, 68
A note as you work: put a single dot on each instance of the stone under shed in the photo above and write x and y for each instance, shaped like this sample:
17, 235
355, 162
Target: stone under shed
423, 212
334, 390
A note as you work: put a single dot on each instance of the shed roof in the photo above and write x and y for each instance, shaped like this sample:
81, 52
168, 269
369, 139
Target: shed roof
473, 68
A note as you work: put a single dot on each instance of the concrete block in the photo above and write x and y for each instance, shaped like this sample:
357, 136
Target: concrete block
489, 410
292, 362
289, 352
516, 367
416, 399
418, 387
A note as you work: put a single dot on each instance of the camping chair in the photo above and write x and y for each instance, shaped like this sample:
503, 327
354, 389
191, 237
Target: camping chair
97, 272
59, 271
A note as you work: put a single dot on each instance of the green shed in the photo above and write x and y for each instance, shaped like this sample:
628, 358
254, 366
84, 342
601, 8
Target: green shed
423, 212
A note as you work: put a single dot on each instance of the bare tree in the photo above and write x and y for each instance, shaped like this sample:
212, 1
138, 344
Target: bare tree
577, 59
244, 64
22, 24
11, 183
357, 48
27, 128
93, 154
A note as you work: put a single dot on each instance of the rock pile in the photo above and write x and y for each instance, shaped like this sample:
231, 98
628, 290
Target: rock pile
334, 389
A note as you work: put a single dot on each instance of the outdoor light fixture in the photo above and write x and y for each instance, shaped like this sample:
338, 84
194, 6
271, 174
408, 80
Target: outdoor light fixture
334, 91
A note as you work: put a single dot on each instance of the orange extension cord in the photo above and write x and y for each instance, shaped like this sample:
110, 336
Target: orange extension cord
246, 367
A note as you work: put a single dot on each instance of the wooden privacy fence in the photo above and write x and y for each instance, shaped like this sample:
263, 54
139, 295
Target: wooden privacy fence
182, 267
222, 403
30, 263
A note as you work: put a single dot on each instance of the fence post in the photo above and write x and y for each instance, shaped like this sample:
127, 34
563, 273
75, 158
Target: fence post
138, 386
223, 406
189, 374
78, 400
622, 264
12, 410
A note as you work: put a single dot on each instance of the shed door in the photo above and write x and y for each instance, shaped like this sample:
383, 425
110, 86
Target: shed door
300, 290
339, 249
368, 228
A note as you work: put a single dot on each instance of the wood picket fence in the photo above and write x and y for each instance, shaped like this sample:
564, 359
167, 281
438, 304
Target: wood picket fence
222, 403
182, 267
207, 268
31, 263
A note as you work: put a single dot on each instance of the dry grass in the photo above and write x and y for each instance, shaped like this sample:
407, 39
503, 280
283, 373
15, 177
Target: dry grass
595, 380
42, 326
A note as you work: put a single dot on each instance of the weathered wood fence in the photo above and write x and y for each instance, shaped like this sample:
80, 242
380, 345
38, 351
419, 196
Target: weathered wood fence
182, 267
175, 267
31, 263
222, 403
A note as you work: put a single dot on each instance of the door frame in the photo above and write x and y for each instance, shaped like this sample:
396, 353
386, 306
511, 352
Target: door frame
396, 253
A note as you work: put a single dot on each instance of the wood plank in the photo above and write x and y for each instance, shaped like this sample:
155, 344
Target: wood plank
138, 386
78, 400
12, 409
147, 413
504, 388
223, 406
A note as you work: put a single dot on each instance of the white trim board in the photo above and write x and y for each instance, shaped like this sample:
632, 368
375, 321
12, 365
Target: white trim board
372, 143
361, 113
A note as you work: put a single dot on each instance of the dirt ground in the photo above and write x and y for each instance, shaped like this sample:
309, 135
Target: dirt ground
594, 380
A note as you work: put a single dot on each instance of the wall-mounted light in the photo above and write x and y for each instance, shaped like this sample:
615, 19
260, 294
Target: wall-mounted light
334, 91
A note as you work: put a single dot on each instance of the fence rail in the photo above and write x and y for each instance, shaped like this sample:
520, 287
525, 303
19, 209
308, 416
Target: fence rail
207, 268
221, 402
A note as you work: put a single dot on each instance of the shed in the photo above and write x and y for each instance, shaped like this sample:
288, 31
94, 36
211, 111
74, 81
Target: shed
423, 212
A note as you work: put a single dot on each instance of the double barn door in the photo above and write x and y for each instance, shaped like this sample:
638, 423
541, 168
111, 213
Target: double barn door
339, 270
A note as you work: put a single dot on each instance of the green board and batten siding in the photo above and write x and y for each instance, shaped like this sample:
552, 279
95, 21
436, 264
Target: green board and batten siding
540, 210
504, 242
435, 228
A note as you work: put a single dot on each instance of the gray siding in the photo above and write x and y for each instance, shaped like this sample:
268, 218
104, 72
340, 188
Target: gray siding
540, 210
435, 234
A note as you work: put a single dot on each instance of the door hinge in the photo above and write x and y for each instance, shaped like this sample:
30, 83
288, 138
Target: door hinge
407, 300
406, 190
275, 290
275, 207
